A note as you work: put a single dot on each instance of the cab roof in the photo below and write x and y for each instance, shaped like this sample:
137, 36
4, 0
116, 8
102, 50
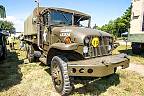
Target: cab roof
45, 9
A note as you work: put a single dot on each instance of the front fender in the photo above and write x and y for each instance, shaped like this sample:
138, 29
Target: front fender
63, 46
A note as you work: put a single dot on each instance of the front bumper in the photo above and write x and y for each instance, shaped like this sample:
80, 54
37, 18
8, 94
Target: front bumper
98, 67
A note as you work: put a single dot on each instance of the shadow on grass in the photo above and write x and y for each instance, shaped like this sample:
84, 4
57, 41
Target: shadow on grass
92, 86
10, 73
97, 86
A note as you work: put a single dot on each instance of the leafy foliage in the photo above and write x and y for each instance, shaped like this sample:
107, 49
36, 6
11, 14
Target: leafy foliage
119, 25
8, 26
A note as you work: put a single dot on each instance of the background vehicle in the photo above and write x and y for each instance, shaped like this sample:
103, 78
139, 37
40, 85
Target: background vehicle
2, 12
137, 26
3, 49
57, 37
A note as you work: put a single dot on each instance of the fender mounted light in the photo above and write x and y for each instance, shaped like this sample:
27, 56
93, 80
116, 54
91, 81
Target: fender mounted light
67, 40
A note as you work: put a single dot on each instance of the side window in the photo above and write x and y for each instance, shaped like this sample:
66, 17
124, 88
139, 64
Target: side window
46, 18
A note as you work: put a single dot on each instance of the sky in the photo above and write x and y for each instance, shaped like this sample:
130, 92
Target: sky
101, 11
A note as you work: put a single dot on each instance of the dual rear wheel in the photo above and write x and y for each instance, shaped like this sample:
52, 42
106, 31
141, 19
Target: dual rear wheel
137, 48
32, 54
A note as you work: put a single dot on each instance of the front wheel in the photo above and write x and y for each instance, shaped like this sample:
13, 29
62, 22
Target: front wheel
60, 76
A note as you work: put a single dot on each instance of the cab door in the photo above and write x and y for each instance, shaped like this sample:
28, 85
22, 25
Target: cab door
46, 38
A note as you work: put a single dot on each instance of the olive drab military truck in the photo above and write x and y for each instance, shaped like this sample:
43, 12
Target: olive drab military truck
137, 26
57, 37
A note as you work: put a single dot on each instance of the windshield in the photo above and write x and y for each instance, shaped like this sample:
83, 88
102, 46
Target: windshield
58, 17
81, 21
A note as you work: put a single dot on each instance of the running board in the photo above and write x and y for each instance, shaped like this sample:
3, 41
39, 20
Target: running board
43, 60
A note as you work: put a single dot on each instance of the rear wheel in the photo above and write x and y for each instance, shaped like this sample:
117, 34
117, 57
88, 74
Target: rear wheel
30, 53
136, 48
4, 53
60, 76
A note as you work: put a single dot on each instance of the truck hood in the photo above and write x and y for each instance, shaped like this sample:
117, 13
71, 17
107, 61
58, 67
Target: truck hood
80, 32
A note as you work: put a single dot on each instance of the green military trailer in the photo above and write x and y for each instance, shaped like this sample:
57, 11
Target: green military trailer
136, 33
58, 38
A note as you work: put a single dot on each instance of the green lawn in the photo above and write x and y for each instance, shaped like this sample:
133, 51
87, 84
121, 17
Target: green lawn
138, 59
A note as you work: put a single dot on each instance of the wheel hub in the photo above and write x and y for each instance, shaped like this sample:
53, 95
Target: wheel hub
57, 76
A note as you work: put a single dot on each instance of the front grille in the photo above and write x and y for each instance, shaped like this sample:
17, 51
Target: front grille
101, 50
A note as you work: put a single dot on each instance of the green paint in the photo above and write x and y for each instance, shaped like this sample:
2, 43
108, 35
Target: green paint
2, 12
136, 38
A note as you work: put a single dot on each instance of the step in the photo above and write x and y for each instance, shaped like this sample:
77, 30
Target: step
43, 60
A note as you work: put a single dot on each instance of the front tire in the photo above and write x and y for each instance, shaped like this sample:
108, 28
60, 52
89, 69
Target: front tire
60, 76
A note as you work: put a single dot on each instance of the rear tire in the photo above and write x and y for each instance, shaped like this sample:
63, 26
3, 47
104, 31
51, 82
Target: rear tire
30, 54
136, 48
4, 53
60, 76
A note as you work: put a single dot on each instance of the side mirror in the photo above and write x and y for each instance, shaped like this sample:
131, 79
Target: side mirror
50, 28
34, 20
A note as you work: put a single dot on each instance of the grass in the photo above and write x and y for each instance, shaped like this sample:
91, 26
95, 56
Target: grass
138, 59
18, 78
120, 84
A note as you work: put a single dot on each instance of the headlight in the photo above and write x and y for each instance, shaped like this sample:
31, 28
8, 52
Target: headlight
86, 40
111, 40
85, 49
109, 47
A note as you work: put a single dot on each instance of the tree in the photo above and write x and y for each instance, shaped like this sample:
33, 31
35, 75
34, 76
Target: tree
5, 25
119, 25
8, 26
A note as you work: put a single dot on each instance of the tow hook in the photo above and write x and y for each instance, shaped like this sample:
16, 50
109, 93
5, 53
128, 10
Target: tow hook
126, 56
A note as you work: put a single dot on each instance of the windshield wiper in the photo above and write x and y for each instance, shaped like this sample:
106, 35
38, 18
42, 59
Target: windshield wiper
65, 17
79, 19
